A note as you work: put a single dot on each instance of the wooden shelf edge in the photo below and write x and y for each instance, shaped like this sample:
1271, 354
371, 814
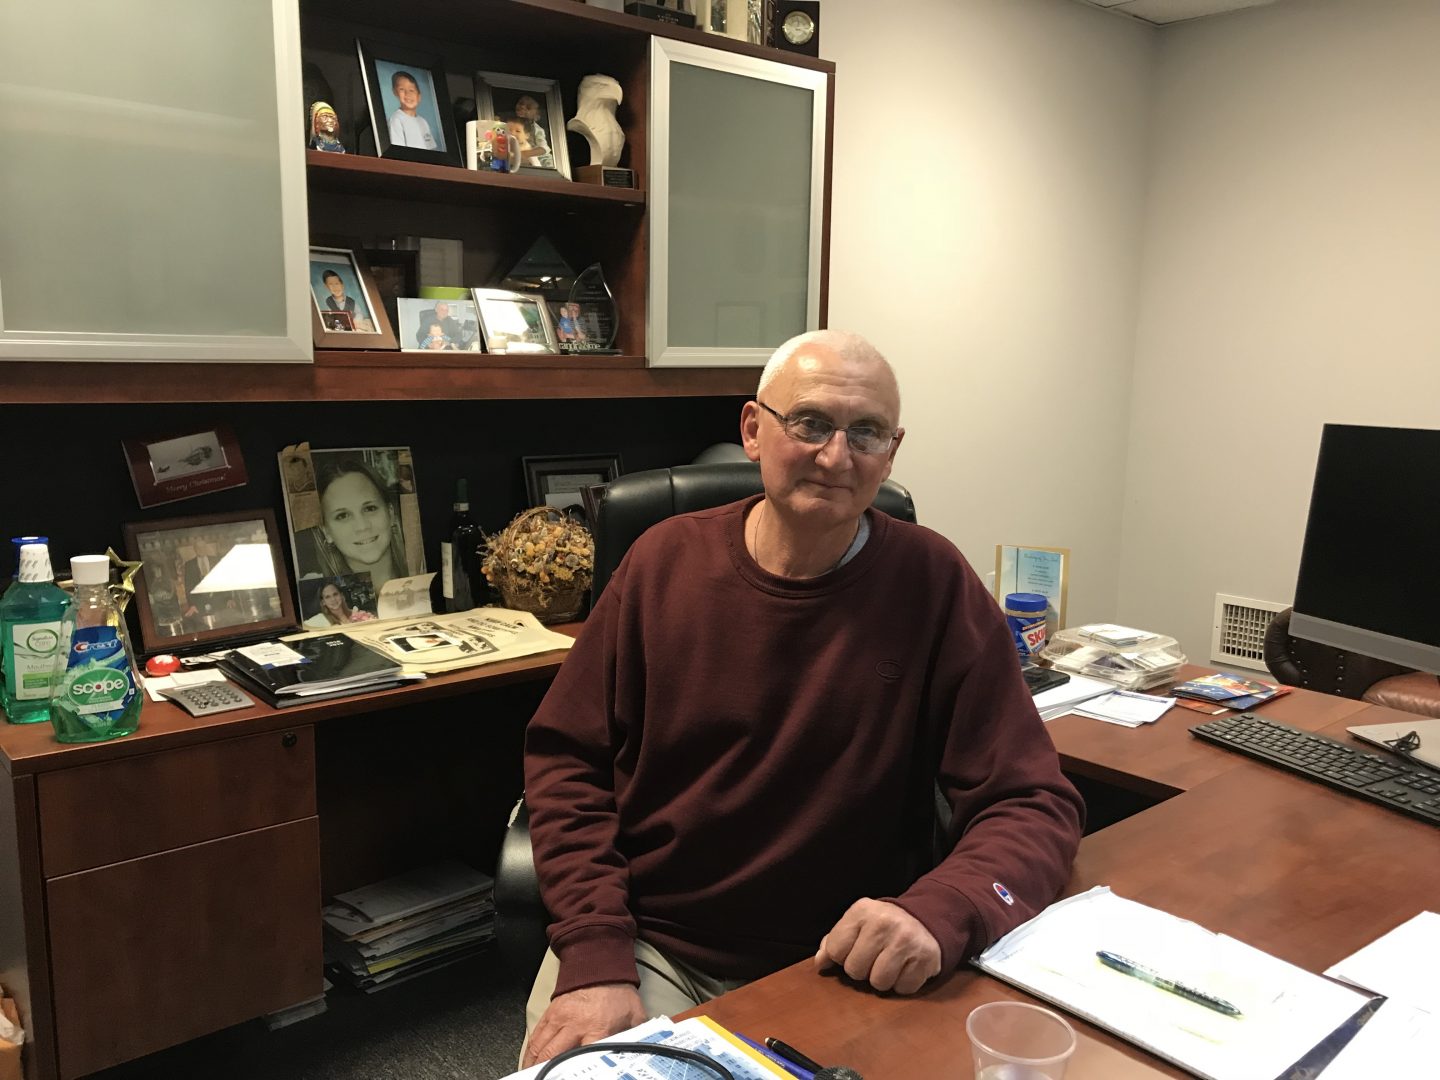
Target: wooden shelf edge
50, 383
364, 175
470, 361
583, 19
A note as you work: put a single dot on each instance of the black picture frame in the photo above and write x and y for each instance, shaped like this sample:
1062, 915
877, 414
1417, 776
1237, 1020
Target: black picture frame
173, 579
560, 480
381, 65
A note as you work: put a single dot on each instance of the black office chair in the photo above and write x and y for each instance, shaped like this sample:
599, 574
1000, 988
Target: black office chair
630, 505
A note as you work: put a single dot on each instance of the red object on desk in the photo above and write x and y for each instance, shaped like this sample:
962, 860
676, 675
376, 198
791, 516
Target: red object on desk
162, 664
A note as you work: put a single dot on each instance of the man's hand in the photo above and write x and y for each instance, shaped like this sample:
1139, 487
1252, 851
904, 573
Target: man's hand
881, 944
581, 1017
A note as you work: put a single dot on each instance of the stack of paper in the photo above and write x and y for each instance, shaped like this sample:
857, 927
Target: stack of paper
1284, 1012
401, 927
1125, 708
1111, 634
1403, 1037
1062, 699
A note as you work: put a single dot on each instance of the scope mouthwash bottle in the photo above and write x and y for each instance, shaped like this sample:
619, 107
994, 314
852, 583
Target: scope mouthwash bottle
98, 694
31, 613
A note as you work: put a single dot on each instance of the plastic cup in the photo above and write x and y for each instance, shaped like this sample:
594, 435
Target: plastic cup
1014, 1040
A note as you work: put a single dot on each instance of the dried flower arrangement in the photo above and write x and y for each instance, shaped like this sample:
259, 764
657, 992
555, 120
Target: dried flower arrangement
542, 562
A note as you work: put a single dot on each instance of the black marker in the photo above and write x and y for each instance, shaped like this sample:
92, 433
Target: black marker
790, 1054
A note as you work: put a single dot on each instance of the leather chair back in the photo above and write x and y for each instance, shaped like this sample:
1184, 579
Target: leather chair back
636, 501
1323, 668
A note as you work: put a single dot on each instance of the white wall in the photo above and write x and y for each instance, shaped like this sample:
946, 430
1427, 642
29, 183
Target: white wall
1291, 276
988, 194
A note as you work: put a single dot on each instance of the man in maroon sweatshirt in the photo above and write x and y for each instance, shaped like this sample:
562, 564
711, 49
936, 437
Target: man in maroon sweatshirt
734, 768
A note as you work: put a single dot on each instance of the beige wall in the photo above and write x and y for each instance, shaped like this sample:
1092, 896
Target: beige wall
1291, 276
989, 183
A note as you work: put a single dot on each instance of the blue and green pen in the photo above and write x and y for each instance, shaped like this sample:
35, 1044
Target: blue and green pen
1154, 978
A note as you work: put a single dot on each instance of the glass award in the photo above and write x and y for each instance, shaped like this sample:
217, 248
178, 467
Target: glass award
588, 321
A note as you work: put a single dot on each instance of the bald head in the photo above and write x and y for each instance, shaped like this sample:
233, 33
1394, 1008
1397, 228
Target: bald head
818, 347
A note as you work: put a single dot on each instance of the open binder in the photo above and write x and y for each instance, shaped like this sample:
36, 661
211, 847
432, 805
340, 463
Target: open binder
1287, 1015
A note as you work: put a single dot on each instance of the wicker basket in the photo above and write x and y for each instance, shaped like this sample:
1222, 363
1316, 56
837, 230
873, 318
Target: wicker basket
542, 562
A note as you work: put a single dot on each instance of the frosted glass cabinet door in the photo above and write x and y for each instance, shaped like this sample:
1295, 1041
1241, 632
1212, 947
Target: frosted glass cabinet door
152, 181
737, 188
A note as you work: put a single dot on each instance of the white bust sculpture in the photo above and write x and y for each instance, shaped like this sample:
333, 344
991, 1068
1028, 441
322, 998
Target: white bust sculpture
595, 119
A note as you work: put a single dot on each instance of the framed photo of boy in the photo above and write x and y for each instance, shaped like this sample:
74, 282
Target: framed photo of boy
560, 481
409, 104
346, 312
217, 577
533, 111
174, 467
512, 322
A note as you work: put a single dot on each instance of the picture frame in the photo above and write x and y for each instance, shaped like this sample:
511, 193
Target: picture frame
541, 123
175, 466
561, 480
397, 273
208, 579
1043, 570
353, 517
341, 284
512, 322
456, 320
409, 103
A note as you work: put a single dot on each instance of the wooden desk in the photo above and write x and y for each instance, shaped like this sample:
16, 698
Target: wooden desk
167, 884
1306, 873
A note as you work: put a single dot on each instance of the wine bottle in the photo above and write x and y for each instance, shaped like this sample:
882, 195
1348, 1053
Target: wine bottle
460, 555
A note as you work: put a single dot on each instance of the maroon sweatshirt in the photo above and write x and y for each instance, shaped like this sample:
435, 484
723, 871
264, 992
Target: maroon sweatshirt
728, 759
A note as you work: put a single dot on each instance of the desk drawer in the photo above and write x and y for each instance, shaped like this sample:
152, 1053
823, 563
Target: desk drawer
99, 814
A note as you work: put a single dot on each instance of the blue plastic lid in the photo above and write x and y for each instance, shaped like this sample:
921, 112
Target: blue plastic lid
1026, 601
21, 541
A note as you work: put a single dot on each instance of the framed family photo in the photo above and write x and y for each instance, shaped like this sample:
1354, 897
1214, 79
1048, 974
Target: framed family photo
533, 111
213, 578
345, 304
512, 322
438, 325
561, 481
409, 104
174, 467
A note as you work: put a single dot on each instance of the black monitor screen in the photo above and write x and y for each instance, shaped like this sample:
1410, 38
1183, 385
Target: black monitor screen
1370, 565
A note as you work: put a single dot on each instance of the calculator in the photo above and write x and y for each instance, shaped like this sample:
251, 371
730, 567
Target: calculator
206, 699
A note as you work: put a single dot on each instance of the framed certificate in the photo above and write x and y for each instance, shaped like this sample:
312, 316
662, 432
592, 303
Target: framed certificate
1043, 570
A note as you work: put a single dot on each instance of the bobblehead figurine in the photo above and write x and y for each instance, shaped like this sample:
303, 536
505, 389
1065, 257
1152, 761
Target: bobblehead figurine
324, 129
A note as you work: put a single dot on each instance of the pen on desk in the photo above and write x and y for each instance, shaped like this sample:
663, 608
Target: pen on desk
770, 1055
1154, 978
789, 1053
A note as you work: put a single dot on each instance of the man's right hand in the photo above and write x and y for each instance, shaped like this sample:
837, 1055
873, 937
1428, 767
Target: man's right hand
581, 1017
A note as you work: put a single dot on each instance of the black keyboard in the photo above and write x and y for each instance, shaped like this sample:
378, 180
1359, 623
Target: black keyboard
1409, 789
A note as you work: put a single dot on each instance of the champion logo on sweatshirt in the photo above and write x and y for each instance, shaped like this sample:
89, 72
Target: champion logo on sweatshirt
1003, 893
889, 670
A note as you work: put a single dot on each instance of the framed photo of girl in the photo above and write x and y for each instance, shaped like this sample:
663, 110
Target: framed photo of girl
354, 519
409, 104
533, 111
346, 311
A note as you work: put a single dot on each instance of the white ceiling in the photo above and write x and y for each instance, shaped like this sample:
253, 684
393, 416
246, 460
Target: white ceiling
1161, 12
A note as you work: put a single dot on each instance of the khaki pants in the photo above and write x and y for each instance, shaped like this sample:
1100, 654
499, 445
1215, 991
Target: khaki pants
667, 986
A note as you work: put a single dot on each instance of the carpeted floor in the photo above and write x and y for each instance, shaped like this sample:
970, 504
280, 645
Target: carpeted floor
459, 1023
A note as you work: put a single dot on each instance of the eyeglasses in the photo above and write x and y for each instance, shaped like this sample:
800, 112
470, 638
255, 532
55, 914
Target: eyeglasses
816, 431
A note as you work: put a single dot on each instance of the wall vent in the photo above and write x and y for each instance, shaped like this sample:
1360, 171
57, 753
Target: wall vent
1238, 636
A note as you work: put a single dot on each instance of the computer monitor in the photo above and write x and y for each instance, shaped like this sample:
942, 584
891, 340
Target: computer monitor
1369, 577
